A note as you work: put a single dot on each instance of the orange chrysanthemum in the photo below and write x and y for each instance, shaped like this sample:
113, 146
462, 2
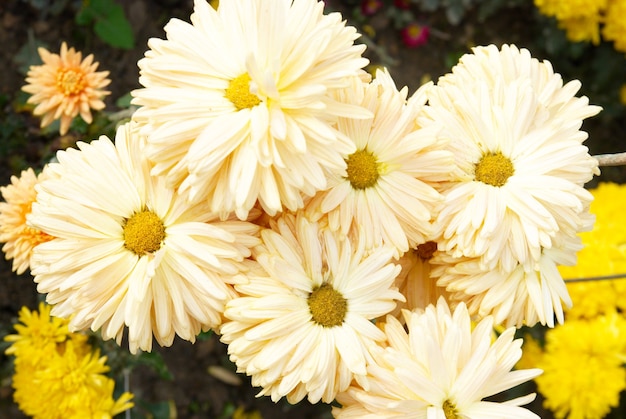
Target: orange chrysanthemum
19, 239
65, 86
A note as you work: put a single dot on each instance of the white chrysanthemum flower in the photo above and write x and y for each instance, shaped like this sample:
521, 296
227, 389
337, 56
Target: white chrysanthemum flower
516, 298
236, 105
387, 188
442, 368
302, 326
128, 250
515, 132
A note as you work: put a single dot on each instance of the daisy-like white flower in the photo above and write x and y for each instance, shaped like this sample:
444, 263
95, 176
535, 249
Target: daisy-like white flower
514, 129
516, 298
236, 105
66, 86
387, 188
302, 326
130, 251
442, 368
19, 239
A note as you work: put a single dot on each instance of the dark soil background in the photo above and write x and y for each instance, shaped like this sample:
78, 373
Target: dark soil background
192, 390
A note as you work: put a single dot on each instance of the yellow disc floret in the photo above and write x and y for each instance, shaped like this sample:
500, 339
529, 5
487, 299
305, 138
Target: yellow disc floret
238, 92
327, 305
449, 410
70, 82
362, 169
494, 169
143, 233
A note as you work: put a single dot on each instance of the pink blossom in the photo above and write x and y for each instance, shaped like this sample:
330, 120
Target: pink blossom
415, 35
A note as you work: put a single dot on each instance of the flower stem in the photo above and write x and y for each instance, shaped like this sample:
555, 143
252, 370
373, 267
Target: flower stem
616, 159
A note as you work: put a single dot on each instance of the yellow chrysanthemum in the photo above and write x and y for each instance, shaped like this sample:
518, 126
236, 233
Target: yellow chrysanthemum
603, 254
38, 332
70, 383
57, 374
583, 367
65, 86
568, 9
581, 29
615, 24
532, 353
18, 238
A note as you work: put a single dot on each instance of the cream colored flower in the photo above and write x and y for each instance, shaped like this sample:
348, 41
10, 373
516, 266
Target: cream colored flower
387, 189
439, 368
236, 105
302, 326
514, 129
19, 239
66, 86
516, 298
129, 251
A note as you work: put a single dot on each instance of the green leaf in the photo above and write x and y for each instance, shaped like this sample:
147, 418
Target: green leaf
116, 30
155, 361
124, 101
110, 23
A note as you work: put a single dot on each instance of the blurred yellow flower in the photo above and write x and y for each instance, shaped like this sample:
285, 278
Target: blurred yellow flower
531, 353
57, 373
582, 28
38, 331
615, 24
604, 253
70, 383
581, 357
19, 239
568, 9
65, 86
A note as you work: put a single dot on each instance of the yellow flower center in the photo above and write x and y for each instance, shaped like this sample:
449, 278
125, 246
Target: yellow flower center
328, 307
70, 81
362, 169
449, 410
425, 250
238, 92
143, 233
35, 237
494, 169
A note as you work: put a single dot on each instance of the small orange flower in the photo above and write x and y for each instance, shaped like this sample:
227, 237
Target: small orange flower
65, 86
19, 238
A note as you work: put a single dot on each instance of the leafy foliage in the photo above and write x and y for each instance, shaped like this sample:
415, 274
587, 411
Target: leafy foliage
109, 22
